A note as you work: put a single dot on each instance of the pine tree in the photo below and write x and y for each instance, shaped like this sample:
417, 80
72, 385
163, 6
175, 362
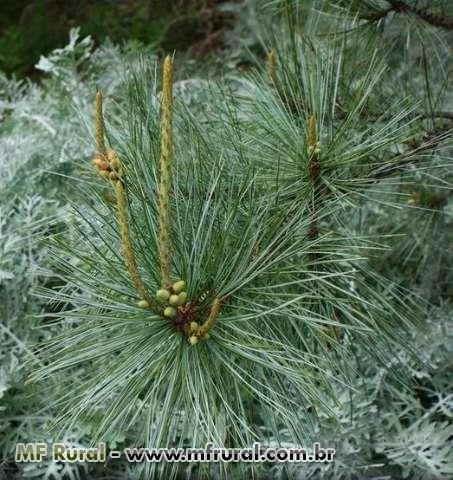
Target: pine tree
242, 282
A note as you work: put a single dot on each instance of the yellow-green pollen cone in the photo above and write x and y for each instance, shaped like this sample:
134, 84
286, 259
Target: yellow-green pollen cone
182, 298
169, 312
143, 304
163, 294
179, 286
173, 300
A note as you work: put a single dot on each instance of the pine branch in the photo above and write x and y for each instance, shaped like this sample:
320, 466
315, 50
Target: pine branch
108, 166
435, 20
165, 175
195, 331
128, 252
446, 115
428, 142
399, 6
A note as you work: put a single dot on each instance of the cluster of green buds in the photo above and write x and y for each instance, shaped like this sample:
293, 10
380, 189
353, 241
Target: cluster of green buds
174, 297
195, 330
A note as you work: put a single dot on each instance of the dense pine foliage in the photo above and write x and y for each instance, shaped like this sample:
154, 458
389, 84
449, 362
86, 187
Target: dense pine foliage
257, 249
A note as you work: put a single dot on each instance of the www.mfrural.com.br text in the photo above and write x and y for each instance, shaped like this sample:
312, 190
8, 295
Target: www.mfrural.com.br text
59, 452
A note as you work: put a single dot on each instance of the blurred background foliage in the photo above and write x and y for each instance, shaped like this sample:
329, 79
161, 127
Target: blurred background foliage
29, 29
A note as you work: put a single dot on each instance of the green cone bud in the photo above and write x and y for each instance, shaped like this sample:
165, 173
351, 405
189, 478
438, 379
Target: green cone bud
182, 297
163, 294
143, 304
174, 300
194, 326
206, 336
193, 340
169, 312
179, 286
